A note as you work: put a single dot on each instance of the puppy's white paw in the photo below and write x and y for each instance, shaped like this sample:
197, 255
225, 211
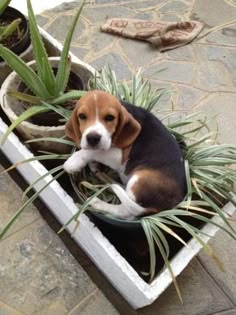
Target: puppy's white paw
70, 167
75, 163
96, 203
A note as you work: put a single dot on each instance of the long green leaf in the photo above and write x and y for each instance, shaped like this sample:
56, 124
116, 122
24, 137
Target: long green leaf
3, 5
27, 75
64, 69
157, 238
152, 253
44, 68
9, 29
25, 97
25, 206
37, 158
205, 246
72, 95
59, 140
83, 207
32, 111
51, 172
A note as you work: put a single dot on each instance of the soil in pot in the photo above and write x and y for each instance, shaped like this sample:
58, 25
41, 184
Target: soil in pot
19, 40
51, 118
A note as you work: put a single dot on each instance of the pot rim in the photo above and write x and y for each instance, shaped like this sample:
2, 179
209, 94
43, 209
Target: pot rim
14, 76
23, 43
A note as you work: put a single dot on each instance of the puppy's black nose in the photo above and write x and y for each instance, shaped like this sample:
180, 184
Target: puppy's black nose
93, 139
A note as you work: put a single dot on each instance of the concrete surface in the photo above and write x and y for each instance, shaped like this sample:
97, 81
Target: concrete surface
37, 273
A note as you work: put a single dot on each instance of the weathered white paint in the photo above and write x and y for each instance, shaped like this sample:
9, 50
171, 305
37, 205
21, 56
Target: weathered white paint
123, 277
38, 6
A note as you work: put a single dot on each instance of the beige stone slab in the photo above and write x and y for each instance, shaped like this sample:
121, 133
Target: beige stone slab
10, 202
8, 310
225, 248
222, 107
199, 292
36, 270
96, 304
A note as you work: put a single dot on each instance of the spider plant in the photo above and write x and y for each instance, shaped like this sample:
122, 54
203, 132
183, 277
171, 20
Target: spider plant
43, 83
209, 179
139, 92
10, 28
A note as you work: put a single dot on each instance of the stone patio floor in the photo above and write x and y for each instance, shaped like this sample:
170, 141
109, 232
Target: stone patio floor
38, 274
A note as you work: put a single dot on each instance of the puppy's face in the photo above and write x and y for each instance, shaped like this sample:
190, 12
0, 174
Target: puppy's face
99, 120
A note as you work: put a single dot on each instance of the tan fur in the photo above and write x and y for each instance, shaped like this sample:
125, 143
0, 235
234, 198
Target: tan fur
97, 104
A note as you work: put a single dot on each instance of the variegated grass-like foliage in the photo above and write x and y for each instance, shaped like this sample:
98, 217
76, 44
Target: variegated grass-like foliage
210, 178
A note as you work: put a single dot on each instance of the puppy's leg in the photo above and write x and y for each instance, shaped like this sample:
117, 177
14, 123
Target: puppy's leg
77, 161
127, 209
81, 158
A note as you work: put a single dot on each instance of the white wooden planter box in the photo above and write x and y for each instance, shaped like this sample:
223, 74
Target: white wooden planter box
119, 272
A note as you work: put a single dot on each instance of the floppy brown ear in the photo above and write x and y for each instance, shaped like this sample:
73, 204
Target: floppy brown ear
72, 128
127, 130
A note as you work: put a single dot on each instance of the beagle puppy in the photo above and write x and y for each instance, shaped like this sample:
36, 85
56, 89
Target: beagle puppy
132, 142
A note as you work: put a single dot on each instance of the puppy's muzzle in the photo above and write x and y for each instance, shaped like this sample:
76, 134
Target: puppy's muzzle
93, 139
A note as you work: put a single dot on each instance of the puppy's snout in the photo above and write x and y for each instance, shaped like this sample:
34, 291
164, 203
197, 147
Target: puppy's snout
93, 139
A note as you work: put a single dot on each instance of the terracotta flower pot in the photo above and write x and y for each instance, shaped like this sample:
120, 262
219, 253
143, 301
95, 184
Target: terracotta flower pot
28, 130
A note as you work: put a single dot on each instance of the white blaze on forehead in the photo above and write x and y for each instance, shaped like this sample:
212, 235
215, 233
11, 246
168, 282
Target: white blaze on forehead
99, 128
95, 97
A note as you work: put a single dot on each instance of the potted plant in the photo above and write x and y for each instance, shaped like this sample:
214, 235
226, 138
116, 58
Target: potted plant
40, 86
14, 34
209, 181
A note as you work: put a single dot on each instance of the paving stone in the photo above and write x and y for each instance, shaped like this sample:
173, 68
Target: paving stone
172, 71
67, 6
100, 40
145, 16
189, 97
36, 270
228, 312
226, 36
218, 12
199, 292
80, 52
109, 1
170, 18
224, 247
56, 31
9, 205
99, 15
216, 68
114, 61
55, 308
133, 49
223, 107
184, 53
8, 310
165, 103
174, 6
144, 5
42, 20
95, 305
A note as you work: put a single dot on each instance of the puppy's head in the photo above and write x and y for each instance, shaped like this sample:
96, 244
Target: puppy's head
99, 121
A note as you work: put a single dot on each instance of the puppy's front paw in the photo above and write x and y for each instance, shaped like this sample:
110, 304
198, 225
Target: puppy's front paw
71, 167
75, 163
96, 203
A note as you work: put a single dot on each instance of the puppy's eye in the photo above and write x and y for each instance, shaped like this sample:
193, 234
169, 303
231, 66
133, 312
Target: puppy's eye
82, 116
109, 118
